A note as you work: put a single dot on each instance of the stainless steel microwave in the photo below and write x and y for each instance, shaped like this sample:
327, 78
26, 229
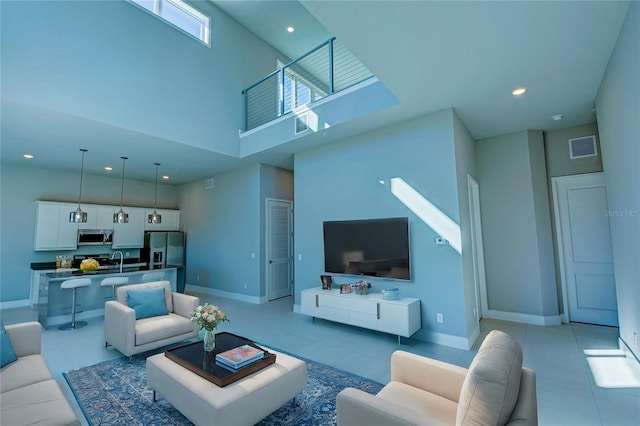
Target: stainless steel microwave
95, 237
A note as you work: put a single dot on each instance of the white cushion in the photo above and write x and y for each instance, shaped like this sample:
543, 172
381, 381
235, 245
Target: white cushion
161, 327
490, 390
27, 370
38, 404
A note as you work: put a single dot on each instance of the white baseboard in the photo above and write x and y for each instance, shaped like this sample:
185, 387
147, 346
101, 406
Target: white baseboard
226, 294
523, 318
15, 304
443, 339
631, 358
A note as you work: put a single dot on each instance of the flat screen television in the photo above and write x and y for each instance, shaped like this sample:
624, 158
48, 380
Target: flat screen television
370, 247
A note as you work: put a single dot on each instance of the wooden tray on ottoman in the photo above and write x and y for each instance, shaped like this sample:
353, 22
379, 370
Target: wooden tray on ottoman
193, 357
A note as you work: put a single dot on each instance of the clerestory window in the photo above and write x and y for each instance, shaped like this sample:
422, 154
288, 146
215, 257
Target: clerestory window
180, 15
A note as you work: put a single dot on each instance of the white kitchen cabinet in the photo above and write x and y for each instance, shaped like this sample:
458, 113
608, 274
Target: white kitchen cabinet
400, 317
131, 234
170, 220
98, 217
53, 229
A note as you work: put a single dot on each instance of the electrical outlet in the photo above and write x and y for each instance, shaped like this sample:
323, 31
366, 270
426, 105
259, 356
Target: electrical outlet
440, 317
245, 286
440, 241
198, 278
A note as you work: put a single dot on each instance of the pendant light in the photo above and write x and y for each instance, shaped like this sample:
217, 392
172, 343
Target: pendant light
77, 215
121, 216
155, 218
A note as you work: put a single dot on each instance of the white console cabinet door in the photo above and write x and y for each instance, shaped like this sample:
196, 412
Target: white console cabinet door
325, 304
170, 220
53, 229
399, 318
363, 312
130, 235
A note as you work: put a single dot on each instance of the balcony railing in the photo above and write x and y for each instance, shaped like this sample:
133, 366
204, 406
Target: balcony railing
321, 72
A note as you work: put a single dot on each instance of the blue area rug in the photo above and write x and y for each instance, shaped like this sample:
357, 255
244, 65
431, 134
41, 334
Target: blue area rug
116, 393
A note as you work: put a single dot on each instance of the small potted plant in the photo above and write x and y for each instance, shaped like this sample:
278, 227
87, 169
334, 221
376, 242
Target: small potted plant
362, 287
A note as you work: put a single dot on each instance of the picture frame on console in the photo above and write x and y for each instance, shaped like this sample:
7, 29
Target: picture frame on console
327, 280
345, 288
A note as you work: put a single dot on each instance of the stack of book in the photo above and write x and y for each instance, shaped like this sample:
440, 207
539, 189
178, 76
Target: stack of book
239, 357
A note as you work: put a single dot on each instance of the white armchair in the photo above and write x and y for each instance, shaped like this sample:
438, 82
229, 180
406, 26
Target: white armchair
131, 336
495, 390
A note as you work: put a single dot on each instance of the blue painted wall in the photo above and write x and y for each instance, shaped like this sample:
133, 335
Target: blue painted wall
113, 62
340, 181
225, 225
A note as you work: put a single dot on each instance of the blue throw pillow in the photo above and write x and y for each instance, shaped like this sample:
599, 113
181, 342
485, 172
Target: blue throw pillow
8, 354
148, 302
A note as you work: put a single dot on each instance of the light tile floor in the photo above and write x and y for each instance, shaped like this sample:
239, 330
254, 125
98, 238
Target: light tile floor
567, 392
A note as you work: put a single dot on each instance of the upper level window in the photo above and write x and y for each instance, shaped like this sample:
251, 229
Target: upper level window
181, 15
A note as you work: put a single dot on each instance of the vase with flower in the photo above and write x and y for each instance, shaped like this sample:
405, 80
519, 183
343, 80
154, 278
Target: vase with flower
208, 317
362, 287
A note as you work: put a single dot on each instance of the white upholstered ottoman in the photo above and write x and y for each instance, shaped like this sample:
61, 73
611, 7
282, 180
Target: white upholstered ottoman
244, 402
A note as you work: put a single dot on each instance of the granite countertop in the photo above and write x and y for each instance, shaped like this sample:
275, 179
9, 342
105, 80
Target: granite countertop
89, 274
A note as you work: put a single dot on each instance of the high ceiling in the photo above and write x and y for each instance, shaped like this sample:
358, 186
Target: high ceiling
431, 55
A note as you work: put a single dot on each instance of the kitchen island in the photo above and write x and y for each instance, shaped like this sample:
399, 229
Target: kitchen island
54, 303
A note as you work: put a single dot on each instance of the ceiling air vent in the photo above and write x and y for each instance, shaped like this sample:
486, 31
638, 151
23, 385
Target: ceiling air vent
583, 147
208, 184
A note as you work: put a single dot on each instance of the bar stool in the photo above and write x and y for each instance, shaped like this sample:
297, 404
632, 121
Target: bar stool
152, 276
114, 282
74, 285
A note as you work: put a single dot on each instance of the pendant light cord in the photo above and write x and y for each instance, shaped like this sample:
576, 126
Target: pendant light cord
122, 185
81, 173
155, 200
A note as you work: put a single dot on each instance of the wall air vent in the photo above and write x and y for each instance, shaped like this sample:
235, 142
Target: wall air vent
583, 147
208, 184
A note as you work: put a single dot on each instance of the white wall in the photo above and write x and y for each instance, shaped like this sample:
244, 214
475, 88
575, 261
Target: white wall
22, 186
340, 181
618, 111
516, 227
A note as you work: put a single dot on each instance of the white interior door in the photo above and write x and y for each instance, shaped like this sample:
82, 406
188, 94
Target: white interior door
584, 249
279, 249
477, 248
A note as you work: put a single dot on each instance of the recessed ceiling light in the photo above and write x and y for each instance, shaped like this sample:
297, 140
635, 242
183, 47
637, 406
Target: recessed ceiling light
28, 156
557, 117
519, 91
108, 168
165, 177
290, 29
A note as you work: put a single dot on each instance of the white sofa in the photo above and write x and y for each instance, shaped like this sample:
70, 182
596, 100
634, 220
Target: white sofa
131, 336
29, 395
495, 390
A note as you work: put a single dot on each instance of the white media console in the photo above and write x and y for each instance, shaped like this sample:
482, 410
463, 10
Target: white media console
400, 317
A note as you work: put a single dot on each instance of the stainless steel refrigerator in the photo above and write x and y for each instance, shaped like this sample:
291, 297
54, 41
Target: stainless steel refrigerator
165, 249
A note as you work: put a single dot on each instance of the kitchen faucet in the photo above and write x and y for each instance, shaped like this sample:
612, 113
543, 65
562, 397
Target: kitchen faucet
113, 255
